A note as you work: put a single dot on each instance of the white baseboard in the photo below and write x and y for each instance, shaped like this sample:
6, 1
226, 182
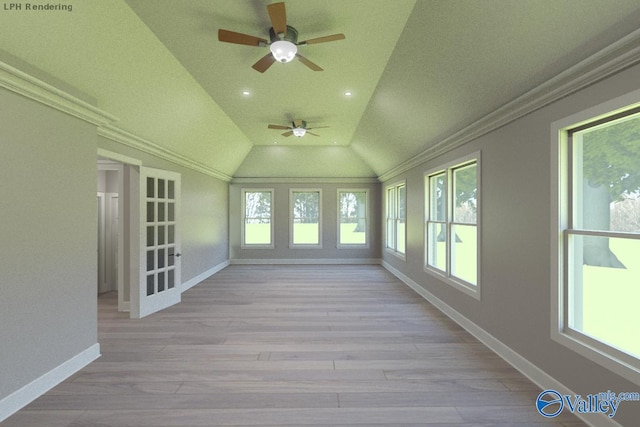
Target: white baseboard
528, 369
203, 276
36, 388
318, 261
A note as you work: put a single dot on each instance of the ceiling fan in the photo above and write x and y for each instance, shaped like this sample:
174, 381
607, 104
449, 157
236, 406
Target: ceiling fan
283, 42
298, 129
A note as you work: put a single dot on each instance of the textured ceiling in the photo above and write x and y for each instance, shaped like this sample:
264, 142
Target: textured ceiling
420, 70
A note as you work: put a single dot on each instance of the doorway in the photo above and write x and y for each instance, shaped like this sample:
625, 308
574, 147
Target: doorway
139, 245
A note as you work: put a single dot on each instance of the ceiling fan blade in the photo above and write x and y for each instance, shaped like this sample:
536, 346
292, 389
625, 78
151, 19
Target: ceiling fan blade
278, 16
318, 127
310, 133
264, 63
239, 38
308, 63
324, 39
278, 127
288, 133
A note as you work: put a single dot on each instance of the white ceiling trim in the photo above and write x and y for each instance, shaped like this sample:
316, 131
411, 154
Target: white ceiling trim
304, 181
130, 140
608, 61
28, 86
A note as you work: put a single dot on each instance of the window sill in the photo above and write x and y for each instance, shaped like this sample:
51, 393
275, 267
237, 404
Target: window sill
469, 289
597, 352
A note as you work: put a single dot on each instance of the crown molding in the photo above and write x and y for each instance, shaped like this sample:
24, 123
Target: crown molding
31, 87
28, 86
608, 61
130, 140
319, 180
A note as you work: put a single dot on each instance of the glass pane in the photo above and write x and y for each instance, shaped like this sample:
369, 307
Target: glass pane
171, 279
161, 235
606, 178
151, 286
161, 284
465, 193
161, 253
437, 198
257, 225
171, 212
353, 216
150, 260
306, 233
401, 236
257, 231
353, 233
171, 258
391, 227
402, 202
464, 253
150, 187
391, 203
171, 235
603, 299
171, 193
161, 189
161, 215
257, 204
151, 211
437, 246
151, 236
306, 218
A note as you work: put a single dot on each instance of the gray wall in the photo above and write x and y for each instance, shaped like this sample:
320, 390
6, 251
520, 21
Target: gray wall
48, 234
48, 274
329, 250
515, 229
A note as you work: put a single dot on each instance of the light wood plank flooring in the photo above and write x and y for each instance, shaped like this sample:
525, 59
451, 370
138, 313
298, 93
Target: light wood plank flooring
290, 346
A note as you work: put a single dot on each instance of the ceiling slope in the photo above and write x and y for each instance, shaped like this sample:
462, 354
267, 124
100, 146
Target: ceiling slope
459, 60
105, 51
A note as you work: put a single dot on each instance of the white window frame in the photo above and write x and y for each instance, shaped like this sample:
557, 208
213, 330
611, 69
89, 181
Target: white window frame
445, 275
617, 361
243, 193
392, 246
366, 219
291, 219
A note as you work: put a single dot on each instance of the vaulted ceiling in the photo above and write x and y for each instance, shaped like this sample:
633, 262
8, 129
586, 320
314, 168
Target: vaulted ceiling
419, 71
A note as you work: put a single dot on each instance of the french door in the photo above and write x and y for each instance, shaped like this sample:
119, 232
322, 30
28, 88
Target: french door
159, 284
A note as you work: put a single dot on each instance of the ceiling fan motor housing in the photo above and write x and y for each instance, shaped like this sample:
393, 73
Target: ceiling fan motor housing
291, 36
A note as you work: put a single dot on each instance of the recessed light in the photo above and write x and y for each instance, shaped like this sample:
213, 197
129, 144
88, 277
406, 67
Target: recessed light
246, 93
348, 93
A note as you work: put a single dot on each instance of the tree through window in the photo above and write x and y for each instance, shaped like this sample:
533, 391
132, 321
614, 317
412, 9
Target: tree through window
603, 233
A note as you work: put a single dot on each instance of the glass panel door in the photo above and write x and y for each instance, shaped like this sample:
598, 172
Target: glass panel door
160, 243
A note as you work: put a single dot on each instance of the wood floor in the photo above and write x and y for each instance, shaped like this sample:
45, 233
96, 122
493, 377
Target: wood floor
306, 346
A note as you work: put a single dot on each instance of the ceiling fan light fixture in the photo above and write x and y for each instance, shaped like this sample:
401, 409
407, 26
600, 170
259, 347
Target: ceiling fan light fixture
299, 132
283, 50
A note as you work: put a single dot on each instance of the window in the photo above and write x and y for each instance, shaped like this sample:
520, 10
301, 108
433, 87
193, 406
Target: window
396, 217
601, 240
352, 218
257, 226
306, 220
451, 223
